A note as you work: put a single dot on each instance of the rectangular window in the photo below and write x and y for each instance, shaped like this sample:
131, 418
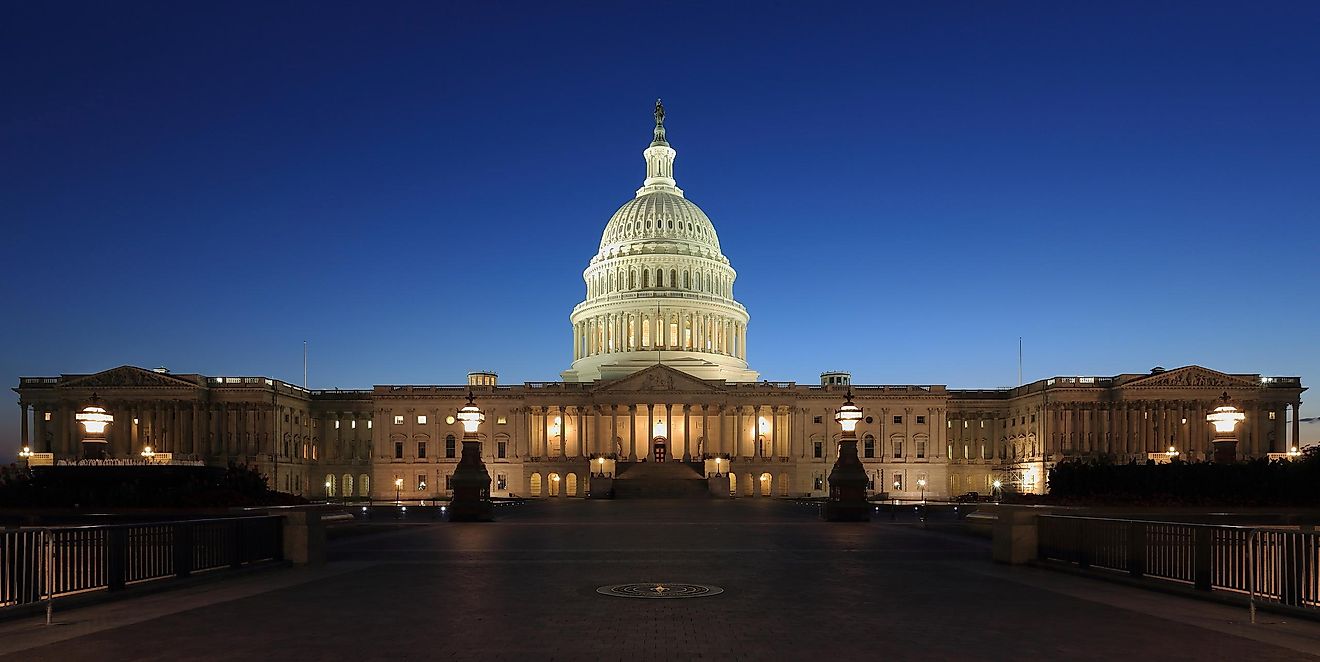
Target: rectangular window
868, 448
921, 447
368, 424
966, 424
818, 450
898, 420
449, 482
421, 482
398, 450
398, 419
421, 420
421, 450
336, 424
898, 447
501, 482
48, 417
982, 423
1271, 416
501, 449
500, 420
898, 482
450, 446
816, 419
1033, 418
921, 420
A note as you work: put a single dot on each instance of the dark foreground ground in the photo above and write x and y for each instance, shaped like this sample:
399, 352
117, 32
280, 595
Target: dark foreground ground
524, 588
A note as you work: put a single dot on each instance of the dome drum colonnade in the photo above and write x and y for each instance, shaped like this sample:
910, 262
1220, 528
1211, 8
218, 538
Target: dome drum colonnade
659, 289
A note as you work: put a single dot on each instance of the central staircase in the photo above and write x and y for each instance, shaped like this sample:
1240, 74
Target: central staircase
660, 480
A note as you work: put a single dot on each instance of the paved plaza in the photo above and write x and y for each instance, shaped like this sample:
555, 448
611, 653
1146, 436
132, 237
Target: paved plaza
525, 588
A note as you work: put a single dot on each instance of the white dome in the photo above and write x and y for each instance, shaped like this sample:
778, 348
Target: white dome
660, 215
659, 289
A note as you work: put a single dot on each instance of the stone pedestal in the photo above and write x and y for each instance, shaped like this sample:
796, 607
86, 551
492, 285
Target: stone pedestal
718, 485
1014, 540
1225, 451
602, 487
471, 483
304, 537
847, 499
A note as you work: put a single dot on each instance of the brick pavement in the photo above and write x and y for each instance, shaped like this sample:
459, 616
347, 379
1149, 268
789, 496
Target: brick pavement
795, 588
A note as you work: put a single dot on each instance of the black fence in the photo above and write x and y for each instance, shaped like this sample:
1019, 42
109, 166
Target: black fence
42, 564
1265, 564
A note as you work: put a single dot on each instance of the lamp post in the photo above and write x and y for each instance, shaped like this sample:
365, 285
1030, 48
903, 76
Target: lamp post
94, 420
25, 454
398, 487
1225, 418
921, 482
147, 453
998, 487
471, 481
847, 500
718, 461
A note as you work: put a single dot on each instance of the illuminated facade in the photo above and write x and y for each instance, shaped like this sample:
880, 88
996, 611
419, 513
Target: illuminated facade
659, 373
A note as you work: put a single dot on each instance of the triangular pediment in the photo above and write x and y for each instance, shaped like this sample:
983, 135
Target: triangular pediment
659, 378
1192, 376
127, 376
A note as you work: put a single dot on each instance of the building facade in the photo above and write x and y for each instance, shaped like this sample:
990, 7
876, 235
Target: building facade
658, 373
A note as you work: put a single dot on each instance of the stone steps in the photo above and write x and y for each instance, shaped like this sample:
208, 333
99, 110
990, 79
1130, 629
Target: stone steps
659, 480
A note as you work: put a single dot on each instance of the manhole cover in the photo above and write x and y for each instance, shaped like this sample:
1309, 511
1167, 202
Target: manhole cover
660, 590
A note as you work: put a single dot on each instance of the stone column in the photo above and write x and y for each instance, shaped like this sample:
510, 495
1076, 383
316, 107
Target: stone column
669, 431
704, 447
737, 432
687, 433
563, 435
775, 451
545, 434
632, 432
23, 425
1296, 425
650, 430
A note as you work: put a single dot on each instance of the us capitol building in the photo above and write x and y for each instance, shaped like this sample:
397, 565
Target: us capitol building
659, 374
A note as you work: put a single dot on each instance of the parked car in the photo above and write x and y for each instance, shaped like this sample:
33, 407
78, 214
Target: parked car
970, 497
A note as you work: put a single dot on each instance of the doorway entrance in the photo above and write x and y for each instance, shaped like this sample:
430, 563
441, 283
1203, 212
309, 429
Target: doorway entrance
658, 447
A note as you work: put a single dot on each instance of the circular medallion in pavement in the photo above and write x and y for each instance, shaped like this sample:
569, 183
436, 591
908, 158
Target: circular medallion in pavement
660, 590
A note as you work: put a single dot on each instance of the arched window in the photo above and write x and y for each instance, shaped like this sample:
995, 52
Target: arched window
868, 446
896, 445
632, 279
571, 485
673, 277
767, 484
687, 279
646, 278
554, 485
659, 277
329, 485
534, 486
782, 484
733, 484
347, 482
699, 280
364, 485
919, 441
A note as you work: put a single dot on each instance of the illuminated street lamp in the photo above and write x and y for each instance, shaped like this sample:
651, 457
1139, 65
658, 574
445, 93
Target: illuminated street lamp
1225, 418
998, 486
847, 500
398, 487
25, 454
921, 482
94, 420
471, 481
718, 461
147, 453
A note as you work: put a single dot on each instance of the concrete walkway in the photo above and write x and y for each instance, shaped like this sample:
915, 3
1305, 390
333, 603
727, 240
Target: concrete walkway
524, 588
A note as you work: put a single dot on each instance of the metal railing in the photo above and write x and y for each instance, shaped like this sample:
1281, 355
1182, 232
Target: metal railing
41, 564
1281, 566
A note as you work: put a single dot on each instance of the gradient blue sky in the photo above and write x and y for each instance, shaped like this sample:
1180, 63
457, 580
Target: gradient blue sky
415, 188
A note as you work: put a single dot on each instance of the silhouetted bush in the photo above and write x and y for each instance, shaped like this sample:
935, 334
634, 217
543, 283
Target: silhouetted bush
1251, 483
138, 487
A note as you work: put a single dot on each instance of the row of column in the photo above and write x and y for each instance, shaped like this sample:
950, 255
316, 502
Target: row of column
1138, 428
179, 427
624, 279
669, 330
754, 431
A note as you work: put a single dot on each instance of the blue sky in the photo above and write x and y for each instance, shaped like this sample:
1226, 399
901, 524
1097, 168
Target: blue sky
904, 188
